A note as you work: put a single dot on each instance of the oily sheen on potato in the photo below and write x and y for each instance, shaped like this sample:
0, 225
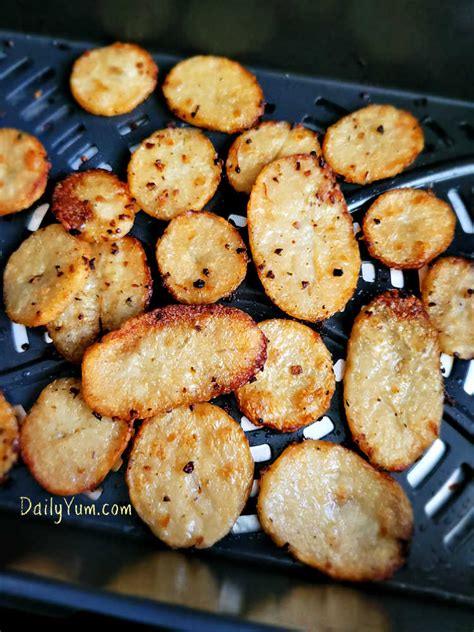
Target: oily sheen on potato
302, 238
393, 387
9, 437
170, 357
335, 512
189, 475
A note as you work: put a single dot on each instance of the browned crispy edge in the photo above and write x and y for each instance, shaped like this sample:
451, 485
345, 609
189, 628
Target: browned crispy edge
374, 251
14, 446
197, 121
163, 317
403, 542
39, 185
387, 174
403, 308
49, 486
165, 275
152, 73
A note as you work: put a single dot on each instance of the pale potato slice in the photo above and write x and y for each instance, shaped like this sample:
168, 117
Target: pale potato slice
174, 170
378, 141
215, 93
407, 228
190, 474
9, 438
393, 387
114, 79
297, 382
24, 169
68, 448
94, 204
170, 357
118, 287
448, 296
302, 239
335, 512
43, 275
201, 258
256, 147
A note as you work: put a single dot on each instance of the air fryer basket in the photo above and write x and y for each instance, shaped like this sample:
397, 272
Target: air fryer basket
34, 96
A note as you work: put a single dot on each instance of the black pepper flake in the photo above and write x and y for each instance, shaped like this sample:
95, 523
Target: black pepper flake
188, 468
74, 232
150, 186
114, 249
260, 420
275, 179
166, 499
133, 413
123, 216
296, 225
206, 272
337, 272
313, 153
470, 291
376, 220
149, 145
237, 169
199, 283
80, 317
298, 165
431, 304
248, 141
304, 284
25, 346
278, 251
239, 251
380, 129
109, 231
129, 300
227, 246
270, 275
97, 415
92, 264
198, 327
195, 111
252, 379
74, 391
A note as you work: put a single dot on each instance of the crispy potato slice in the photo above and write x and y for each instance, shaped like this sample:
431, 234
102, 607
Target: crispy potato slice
24, 169
302, 239
9, 437
256, 147
335, 512
190, 474
215, 93
114, 79
407, 228
94, 204
393, 387
43, 275
118, 287
378, 141
297, 382
201, 258
174, 170
68, 448
448, 296
171, 357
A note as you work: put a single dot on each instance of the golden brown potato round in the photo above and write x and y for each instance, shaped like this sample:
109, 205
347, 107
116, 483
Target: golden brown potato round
9, 438
302, 239
201, 258
448, 297
297, 382
190, 474
118, 287
24, 169
215, 93
407, 228
335, 512
378, 141
43, 275
393, 387
94, 204
171, 357
114, 79
256, 147
174, 170
68, 448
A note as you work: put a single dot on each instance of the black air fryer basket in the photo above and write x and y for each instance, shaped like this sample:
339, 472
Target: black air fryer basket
111, 564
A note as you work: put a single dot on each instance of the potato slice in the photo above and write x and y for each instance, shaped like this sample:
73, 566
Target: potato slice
407, 228
448, 297
302, 239
9, 438
118, 287
94, 204
43, 276
190, 474
170, 357
201, 258
24, 169
256, 147
68, 448
335, 512
393, 387
215, 93
114, 79
174, 170
297, 382
378, 141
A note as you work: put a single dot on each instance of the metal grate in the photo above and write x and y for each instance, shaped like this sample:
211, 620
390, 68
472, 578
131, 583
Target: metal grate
34, 96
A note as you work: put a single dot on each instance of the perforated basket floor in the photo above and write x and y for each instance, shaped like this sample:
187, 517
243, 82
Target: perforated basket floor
34, 96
